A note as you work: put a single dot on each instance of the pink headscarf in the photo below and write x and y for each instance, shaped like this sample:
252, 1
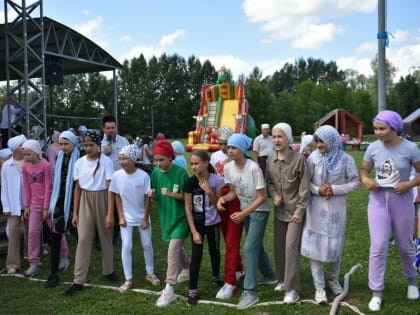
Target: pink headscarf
34, 146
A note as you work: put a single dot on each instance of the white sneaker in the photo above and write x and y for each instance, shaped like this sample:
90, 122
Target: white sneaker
413, 292
33, 270
183, 276
375, 304
226, 291
247, 299
11, 271
279, 287
320, 296
335, 287
64, 263
291, 296
165, 298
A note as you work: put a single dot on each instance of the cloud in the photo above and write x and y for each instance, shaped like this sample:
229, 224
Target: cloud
147, 51
405, 59
169, 39
367, 46
236, 65
398, 37
361, 65
126, 38
307, 24
91, 27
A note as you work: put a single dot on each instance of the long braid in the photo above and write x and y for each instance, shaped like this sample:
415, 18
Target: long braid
97, 164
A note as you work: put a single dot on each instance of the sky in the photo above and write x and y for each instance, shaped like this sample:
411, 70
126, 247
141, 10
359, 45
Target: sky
243, 34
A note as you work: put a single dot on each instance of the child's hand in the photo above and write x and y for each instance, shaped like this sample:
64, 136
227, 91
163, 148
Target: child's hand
144, 224
45, 214
220, 204
237, 217
75, 221
26, 213
278, 200
109, 221
151, 193
122, 222
197, 238
204, 184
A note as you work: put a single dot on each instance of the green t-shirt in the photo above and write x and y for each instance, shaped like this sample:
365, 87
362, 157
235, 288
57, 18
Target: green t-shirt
173, 221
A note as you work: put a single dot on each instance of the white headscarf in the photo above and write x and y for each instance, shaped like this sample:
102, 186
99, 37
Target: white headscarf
306, 140
15, 142
287, 131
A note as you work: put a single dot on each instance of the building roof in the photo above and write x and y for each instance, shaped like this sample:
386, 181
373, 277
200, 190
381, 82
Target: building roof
413, 116
336, 112
79, 54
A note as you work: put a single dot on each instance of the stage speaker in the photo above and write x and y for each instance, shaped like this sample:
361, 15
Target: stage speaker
53, 70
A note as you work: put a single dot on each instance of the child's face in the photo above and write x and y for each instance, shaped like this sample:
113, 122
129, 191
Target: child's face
163, 162
30, 156
126, 163
382, 132
321, 146
235, 153
66, 145
91, 149
198, 166
280, 140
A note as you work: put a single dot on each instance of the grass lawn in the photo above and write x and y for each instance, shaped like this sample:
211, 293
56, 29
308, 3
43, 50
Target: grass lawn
24, 296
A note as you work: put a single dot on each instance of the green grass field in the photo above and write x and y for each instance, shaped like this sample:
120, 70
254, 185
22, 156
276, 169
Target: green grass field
24, 296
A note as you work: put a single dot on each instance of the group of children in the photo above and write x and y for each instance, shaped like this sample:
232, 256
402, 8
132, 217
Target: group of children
227, 193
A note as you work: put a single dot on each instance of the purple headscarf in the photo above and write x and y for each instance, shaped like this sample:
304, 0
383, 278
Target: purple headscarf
389, 118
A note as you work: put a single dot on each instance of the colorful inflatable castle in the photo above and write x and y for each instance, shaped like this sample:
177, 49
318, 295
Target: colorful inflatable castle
222, 104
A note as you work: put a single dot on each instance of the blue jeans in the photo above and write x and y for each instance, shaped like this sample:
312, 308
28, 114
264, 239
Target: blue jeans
255, 255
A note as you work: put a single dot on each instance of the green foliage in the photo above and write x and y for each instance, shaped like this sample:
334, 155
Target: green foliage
163, 93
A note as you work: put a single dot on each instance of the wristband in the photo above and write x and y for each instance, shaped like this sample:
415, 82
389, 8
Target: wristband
365, 180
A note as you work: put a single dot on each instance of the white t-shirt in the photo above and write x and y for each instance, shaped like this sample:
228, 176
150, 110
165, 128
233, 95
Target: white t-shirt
132, 189
246, 182
84, 169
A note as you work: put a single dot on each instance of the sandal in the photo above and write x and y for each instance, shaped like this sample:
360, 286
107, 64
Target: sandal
127, 285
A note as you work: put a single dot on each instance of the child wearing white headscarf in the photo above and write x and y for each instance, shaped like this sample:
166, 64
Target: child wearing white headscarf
333, 175
12, 201
129, 187
288, 183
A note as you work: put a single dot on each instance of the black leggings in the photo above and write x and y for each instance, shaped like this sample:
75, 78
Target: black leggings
213, 241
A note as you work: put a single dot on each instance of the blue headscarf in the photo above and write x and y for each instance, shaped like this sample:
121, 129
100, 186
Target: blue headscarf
69, 180
330, 160
240, 141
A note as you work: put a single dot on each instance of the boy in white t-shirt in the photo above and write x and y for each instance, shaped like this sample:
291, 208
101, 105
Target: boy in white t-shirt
129, 187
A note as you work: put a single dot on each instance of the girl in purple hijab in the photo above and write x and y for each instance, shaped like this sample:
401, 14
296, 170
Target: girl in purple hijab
390, 202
